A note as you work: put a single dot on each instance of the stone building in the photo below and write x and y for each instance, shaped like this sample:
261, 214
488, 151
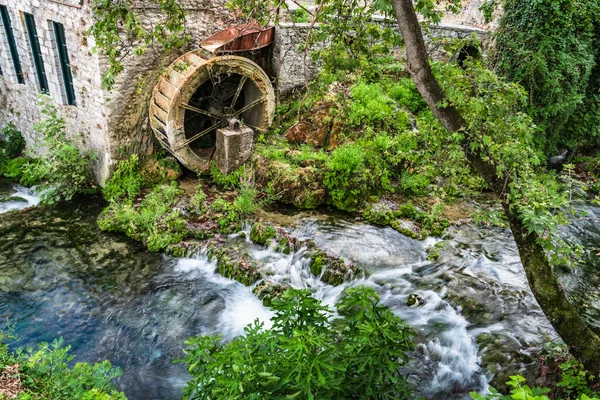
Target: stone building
45, 51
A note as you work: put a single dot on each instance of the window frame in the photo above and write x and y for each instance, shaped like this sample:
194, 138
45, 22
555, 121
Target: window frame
64, 63
12, 44
36, 52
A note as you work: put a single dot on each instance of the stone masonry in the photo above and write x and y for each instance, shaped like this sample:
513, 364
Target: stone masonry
115, 124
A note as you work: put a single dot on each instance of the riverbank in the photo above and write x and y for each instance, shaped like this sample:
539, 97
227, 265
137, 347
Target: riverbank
112, 299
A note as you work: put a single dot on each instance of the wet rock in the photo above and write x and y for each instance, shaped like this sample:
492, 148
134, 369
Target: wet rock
414, 300
331, 270
15, 199
262, 233
267, 291
301, 186
160, 171
320, 129
233, 265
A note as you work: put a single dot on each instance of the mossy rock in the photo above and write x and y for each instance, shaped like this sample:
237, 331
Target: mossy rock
262, 233
316, 266
284, 246
378, 216
303, 186
407, 228
241, 270
160, 171
267, 291
331, 270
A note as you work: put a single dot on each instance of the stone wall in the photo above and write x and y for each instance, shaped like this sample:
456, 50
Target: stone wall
115, 124
19, 103
127, 103
293, 68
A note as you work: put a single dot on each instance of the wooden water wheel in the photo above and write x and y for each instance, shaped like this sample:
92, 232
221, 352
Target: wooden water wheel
198, 95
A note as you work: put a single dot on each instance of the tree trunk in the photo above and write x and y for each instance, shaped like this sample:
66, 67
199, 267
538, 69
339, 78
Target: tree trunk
572, 328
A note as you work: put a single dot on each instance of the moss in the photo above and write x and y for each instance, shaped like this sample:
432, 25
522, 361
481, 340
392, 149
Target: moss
156, 171
233, 266
177, 250
378, 216
226, 216
267, 291
316, 266
331, 270
261, 233
153, 221
126, 180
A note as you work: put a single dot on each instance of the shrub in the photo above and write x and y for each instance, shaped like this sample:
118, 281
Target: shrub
64, 170
414, 184
246, 202
12, 145
198, 199
305, 355
12, 142
551, 48
522, 391
345, 178
126, 181
44, 373
370, 104
24, 170
406, 94
154, 221
230, 181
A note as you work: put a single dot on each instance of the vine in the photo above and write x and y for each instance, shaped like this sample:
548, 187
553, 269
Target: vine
119, 31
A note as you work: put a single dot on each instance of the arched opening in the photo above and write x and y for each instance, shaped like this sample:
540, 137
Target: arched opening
467, 52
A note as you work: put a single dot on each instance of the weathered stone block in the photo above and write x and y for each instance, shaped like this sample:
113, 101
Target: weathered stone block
233, 147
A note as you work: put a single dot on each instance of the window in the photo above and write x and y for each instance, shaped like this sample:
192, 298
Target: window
36, 53
63, 58
12, 46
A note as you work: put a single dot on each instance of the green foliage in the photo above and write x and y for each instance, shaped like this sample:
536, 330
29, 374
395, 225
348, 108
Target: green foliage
413, 184
245, 202
305, 355
521, 391
551, 48
301, 15
345, 178
230, 181
126, 181
154, 221
370, 104
405, 93
24, 170
261, 233
45, 373
198, 199
64, 170
227, 216
118, 27
12, 145
505, 137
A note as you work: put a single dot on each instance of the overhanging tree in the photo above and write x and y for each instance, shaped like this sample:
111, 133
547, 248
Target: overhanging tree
503, 161
583, 342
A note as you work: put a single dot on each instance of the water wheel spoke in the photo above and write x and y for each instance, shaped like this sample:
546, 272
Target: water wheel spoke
198, 135
201, 111
216, 89
249, 106
239, 90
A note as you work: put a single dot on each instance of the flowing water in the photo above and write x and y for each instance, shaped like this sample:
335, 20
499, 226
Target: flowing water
110, 299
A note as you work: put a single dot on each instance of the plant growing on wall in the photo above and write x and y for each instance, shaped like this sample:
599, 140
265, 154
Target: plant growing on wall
119, 31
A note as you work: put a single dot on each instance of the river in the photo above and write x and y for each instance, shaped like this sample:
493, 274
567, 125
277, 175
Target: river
110, 299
